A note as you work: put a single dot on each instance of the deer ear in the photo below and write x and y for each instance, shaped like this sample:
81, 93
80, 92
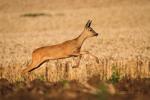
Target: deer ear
88, 24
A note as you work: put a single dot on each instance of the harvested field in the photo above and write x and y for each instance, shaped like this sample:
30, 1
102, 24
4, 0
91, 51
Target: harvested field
123, 44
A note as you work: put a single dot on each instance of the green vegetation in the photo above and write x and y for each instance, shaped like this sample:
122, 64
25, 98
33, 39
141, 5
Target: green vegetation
102, 93
115, 77
65, 83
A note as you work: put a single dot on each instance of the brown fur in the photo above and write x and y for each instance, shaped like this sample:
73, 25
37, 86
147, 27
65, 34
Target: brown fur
66, 49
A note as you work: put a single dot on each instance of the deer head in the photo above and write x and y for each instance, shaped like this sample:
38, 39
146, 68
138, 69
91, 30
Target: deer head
88, 30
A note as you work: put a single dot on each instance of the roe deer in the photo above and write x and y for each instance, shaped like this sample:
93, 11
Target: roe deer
70, 48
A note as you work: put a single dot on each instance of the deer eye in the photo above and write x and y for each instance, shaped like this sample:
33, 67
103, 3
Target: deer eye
90, 29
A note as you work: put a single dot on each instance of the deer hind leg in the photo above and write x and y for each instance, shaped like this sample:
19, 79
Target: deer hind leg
35, 64
25, 73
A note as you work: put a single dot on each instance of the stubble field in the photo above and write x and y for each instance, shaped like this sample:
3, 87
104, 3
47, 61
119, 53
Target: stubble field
123, 44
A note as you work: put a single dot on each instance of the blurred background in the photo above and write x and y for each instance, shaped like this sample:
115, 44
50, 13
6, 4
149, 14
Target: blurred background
123, 27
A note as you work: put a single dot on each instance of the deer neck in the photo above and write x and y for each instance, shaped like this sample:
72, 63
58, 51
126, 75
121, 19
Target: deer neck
81, 38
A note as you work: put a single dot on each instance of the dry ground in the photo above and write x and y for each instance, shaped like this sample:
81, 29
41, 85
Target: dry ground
123, 28
64, 90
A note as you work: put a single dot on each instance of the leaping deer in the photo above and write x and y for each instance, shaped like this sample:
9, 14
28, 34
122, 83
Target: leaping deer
70, 48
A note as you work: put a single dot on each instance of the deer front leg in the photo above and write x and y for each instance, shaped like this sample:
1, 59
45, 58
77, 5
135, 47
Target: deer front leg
87, 52
80, 56
84, 52
78, 62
